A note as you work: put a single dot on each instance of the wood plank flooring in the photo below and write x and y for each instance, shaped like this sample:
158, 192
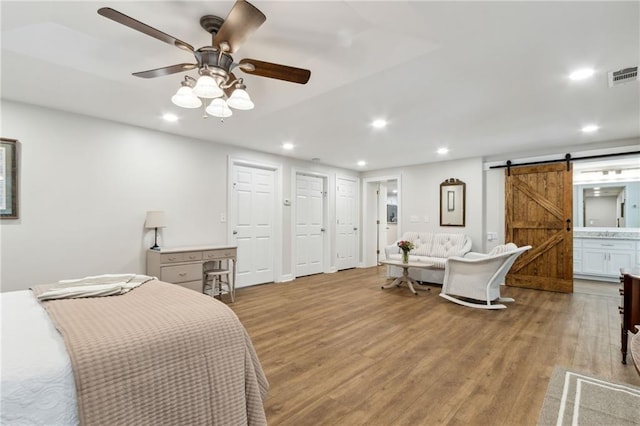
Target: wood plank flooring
338, 350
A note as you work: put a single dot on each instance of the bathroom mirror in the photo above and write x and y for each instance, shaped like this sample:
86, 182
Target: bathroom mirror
607, 205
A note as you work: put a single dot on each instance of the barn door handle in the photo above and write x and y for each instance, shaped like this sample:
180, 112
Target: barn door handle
568, 224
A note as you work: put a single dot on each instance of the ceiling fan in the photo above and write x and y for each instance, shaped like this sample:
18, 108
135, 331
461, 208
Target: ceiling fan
215, 63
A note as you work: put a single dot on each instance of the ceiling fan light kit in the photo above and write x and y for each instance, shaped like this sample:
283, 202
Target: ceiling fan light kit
214, 63
184, 97
219, 108
207, 88
240, 98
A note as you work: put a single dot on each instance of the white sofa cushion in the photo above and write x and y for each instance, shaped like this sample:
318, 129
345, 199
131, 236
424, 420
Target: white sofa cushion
423, 244
447, 245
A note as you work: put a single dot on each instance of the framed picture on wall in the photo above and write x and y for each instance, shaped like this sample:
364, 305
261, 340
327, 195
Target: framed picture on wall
8, 179
452, 203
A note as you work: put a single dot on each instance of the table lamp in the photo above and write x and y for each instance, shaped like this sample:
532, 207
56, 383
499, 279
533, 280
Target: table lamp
155, 220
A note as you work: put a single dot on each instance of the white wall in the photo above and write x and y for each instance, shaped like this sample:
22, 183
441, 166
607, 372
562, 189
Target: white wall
86, 184
421, 196
494, 206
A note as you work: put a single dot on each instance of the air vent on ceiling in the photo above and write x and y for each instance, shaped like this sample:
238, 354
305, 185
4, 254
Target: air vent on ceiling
622, 76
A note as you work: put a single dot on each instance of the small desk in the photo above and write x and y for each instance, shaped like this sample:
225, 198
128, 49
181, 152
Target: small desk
183, 265
405, 274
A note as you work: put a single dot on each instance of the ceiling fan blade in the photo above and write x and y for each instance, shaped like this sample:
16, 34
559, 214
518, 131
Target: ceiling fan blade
128, 21
159, 72
242, 21
279, 72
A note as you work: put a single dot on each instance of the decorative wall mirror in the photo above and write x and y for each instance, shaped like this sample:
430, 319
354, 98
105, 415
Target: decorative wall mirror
8, 179
452, 202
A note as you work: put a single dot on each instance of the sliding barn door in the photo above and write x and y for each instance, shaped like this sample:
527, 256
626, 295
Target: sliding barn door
539, 213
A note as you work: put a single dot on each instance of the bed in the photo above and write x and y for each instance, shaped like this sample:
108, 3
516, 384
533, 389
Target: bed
159, 354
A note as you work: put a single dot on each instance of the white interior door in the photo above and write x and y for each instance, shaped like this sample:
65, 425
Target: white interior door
346, 223
252, 219
309, 230
382, 219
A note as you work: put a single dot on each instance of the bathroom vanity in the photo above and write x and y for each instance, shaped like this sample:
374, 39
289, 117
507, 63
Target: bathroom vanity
601, 254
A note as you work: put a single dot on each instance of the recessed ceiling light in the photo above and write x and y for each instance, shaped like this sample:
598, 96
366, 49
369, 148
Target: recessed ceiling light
590, 128
171, 118
379, 123
362, 163
597, 188
287, 146
581, 74
395, 191
442, 151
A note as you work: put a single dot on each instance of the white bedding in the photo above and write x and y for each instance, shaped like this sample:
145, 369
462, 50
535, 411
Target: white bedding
37, 385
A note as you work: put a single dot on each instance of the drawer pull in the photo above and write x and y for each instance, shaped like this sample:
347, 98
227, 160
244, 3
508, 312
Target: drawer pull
172, 258
182, 274
607, 245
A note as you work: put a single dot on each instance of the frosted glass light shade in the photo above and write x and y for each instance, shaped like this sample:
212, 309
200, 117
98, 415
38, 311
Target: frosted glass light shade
185, 98
207, 87
240, 100
218, 108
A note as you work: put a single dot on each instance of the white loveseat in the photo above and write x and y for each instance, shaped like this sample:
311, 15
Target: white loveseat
432, 248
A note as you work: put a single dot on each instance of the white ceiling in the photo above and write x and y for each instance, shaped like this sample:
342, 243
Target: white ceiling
481, 78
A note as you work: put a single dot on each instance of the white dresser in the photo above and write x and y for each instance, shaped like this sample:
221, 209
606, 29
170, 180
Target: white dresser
183, 265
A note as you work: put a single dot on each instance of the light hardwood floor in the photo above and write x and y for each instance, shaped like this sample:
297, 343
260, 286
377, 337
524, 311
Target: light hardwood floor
338, 350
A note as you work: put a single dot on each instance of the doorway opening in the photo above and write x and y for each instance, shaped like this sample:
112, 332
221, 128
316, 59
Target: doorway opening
606, 217
382, 218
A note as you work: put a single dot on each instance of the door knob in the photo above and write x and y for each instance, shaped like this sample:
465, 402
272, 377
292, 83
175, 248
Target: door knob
235, 232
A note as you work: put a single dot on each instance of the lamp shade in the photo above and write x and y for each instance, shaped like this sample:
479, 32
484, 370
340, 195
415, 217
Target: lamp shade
240, 100
185, 98
207, 87
155, 219
219, 108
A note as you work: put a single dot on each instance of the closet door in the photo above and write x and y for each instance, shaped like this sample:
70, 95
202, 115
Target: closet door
346, 223
309, 232
252, 221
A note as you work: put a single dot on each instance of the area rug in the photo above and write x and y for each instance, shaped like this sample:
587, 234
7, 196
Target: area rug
577, 399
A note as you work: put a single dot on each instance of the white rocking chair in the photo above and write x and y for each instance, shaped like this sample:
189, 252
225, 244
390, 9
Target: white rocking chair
474, 280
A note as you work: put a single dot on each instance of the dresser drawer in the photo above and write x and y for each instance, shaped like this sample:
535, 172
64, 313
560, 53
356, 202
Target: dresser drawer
171, 257
610, 244
181, 273
192, 255
219, 254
